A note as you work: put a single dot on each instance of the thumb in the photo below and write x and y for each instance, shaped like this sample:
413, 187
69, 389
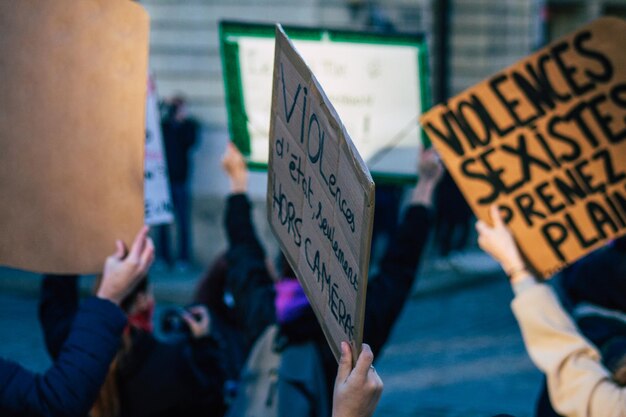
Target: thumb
495, 216
345, 363
120, 250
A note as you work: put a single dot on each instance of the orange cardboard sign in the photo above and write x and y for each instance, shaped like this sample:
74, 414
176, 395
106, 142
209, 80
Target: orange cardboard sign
545, 140
320, 198
72, 103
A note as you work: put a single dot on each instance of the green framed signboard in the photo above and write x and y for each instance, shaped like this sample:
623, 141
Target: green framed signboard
378, 83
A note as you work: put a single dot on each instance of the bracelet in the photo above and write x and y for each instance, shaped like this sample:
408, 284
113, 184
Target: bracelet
516, 272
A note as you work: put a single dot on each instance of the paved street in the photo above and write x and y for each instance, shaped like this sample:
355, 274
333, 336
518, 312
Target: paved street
458, 353
455, 351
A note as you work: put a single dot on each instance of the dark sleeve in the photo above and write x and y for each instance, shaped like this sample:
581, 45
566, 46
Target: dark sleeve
389, 289
203, 362
71, 385
248, 279
58, 304
190, 134
582, 283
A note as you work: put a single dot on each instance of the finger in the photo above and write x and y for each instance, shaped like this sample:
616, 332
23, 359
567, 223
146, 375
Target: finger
345, 363
364, 362
204, 321
147, 257
138, 244
191, 322
199, 310
120, 250
495, 216
481, 227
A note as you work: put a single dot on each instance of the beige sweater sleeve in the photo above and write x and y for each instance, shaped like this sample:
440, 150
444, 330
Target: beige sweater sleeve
578, 383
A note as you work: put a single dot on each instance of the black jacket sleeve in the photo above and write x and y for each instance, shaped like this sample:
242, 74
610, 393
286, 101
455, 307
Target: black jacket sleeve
181, 378
71, 385
58, 305
390, 288
248, 279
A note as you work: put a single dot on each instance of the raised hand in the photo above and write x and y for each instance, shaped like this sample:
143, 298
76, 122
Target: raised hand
123, 270
498, 242
234, 165
357, 391
198, 320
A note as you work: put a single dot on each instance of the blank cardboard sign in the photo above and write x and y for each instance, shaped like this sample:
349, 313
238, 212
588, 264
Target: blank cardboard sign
72, 103
320, 198
545, 140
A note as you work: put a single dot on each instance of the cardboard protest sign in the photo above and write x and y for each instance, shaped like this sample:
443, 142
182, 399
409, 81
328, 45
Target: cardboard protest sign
545, 140
320, 198
71, 131
158, 201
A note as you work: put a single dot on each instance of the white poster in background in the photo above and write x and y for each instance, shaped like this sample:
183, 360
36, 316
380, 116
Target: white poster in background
158, 201
374, 88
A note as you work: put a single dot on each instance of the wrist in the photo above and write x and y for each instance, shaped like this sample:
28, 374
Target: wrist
238, 186
423, 193
513, 264
518, 274
104, 295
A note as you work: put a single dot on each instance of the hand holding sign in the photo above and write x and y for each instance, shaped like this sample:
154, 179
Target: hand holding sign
499, 243
123, 270
357, 390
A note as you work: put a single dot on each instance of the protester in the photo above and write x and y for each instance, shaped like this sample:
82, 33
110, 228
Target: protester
578, 383
291, 359
71, 385
598, 305
452, 223
147, 377
180, 133
211, 292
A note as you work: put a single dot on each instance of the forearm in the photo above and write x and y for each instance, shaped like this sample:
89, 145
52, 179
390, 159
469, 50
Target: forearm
238, 222
396, 276
71, 385
578, 384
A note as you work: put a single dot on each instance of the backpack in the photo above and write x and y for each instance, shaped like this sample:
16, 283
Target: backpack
281, 381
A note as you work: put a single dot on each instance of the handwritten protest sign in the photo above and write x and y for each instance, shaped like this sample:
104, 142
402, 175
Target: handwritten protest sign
158, 202
320, 198
377, 83
545, 140
72, 130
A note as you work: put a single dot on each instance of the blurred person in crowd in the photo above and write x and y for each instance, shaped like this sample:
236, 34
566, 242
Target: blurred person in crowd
180, 133
579, 384
71, 385
147, 377
211, 292
452, 226
360, 390
290, 358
